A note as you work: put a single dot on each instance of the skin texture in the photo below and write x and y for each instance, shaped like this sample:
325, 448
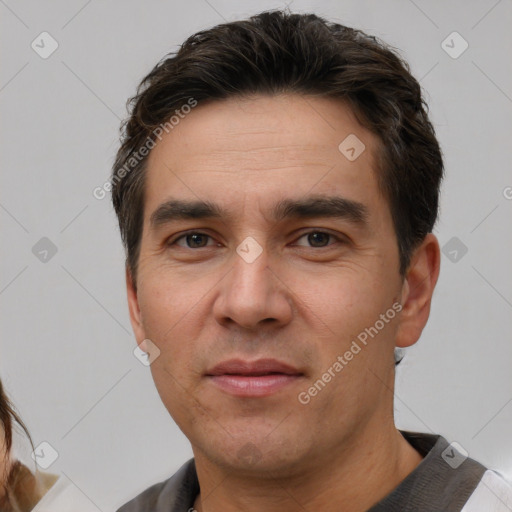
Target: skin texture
299, 303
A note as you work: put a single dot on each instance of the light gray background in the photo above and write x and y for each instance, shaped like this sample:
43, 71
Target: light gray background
66, 342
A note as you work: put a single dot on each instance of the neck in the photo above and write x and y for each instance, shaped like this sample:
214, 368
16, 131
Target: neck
356, 477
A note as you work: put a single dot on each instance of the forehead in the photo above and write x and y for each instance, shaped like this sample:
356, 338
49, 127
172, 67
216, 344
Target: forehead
252, 151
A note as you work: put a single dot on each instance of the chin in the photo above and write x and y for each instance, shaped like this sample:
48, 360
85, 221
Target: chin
257, 456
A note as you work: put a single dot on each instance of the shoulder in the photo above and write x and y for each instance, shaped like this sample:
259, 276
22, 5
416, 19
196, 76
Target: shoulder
43, 492
493, 493
173, 494
448, 479
63, 496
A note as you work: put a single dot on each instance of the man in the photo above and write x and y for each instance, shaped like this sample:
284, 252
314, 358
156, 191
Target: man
276, 190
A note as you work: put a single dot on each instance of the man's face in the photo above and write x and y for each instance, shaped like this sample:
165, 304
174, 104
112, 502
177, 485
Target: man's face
324, 275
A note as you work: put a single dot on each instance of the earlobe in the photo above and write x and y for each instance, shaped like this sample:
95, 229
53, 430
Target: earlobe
133, 307
417, 291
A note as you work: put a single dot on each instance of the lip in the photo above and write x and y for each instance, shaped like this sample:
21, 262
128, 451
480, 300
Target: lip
259, 378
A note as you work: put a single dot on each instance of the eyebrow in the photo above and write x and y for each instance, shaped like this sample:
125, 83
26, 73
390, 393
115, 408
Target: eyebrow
311, 207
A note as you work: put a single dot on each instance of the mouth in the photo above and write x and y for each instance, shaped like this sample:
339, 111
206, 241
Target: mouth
259, 378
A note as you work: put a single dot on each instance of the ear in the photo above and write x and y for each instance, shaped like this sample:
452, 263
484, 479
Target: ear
417, 290
133, 307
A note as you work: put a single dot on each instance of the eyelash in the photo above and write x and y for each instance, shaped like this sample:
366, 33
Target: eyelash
188, 233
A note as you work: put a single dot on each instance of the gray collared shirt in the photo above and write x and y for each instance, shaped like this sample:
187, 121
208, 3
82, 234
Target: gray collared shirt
444, 481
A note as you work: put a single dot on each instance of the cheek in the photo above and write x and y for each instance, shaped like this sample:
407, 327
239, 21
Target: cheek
347, 306
341, 297
166, 300
172, 318
176, 369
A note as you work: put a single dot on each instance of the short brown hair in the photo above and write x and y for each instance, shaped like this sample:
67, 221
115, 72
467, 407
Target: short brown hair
279, 52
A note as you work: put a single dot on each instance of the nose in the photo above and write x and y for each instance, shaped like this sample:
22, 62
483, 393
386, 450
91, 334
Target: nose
252, 295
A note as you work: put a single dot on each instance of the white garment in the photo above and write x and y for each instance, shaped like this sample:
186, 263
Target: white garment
64, 496
492, 494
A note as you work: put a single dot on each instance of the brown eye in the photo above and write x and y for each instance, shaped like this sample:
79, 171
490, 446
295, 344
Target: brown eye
194, 240
317, 239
